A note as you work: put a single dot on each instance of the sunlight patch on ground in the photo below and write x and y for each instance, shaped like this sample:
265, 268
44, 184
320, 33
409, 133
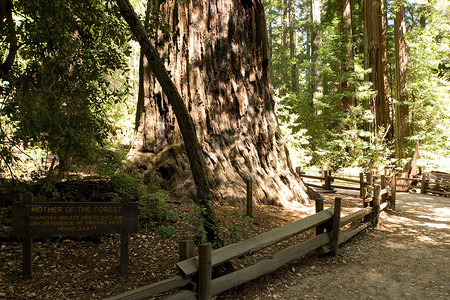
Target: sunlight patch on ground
396, 245
443, 213
408, 222
401, 221
434, 225
426, 239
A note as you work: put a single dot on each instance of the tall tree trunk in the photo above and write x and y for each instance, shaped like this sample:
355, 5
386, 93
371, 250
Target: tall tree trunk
316, 15
270, 40
348, 65
284, 16
292, 46
401, 78
184, 121
376, 57
217, 54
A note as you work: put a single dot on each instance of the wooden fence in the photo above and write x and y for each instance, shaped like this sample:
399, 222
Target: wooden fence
196, 280
368, 179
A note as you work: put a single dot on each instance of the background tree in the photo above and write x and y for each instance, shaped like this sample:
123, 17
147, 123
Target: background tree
348, 101
428, 37
376, 59
315, 40
401, 121
320, 129
9, 44
293, 47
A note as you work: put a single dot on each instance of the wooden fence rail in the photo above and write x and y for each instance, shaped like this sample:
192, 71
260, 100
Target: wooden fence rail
367, 180
189, 267
203, 287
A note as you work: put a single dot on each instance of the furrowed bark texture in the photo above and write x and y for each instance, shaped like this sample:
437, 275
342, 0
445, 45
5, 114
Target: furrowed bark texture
376, 57
347, 65
401, 124
203, 196
217, 55
316, 40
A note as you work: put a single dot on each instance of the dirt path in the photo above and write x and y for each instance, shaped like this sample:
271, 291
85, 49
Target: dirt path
406, 257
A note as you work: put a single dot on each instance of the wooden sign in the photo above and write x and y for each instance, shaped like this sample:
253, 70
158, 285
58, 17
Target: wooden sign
83, 218
65, 218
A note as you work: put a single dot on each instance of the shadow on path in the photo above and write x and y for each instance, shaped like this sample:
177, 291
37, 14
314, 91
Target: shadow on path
406, 257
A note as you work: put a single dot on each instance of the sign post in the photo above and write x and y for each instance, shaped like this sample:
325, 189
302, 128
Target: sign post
27, 245
72, 218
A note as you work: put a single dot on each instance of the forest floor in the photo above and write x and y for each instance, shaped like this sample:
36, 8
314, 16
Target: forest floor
407, 256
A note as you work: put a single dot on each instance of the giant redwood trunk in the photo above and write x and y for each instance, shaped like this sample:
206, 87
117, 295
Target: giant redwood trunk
217, 55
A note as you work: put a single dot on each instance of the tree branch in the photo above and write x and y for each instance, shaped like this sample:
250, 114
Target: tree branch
193, 150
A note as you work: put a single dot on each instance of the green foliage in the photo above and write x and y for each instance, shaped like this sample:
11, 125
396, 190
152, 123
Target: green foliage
319, 129
428, 47
122, 183
70, 70
233, 229
154, 210
443, 70
197, 228
166, 231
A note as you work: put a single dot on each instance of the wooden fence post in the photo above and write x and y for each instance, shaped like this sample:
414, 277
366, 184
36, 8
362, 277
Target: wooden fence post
364, 197
124, 244
393, 190
361, 185
327, 176
423, 184
369, 177
324, 169
336, 225
376, 205
319, 207
365, 203
27, 245
204, 272
383, 185
250, 198
186, 249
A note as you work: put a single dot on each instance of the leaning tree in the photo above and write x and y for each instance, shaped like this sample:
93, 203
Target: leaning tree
217, 54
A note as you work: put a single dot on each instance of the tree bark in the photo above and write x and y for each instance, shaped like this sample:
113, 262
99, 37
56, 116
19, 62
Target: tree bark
193, 150
316, 15
401, 124
292, 48
8, 27
217, 54
348, 65
376, 57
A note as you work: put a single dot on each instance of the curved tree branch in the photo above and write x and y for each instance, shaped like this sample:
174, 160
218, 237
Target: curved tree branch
193, 150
